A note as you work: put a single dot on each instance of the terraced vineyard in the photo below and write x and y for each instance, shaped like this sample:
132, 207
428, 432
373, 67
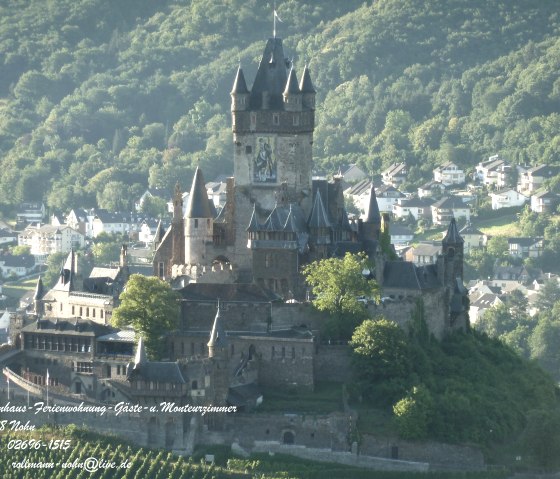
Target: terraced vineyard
117, 459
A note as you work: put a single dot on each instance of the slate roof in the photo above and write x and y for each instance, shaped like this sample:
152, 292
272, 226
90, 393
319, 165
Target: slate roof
373, 215
524, 241
306, 85
18, 261
239, 84
198, 206
271, 77
242, 292
74, 327
318, 217
406, 275
452, 236
292, 86
157, 371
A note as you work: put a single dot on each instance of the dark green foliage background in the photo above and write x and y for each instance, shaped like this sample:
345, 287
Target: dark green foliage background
98, 97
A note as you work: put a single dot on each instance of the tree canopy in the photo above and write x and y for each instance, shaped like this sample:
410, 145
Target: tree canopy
151, 307
340, 287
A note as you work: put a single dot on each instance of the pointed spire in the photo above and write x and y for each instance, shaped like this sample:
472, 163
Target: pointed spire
39, 290
158, 235
292, 83
239, 84
373, 215
290, 222
177, 204
212, 206
318, 217
274, 222
306, 85
141, 356
197, 206
217, 336
452, 236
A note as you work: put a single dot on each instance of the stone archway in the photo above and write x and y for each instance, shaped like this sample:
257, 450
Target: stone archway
288, 437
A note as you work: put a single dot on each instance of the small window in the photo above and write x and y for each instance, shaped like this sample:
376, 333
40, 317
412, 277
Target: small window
276, 119
248, 149
196, 223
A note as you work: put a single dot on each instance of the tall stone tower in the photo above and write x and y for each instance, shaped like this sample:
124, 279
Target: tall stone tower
452, 251
273, 127
199, 222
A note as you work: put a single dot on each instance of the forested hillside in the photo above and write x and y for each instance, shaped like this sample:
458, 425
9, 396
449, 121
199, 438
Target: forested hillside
99, 99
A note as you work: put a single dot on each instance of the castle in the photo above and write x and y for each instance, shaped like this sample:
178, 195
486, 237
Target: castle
235, 272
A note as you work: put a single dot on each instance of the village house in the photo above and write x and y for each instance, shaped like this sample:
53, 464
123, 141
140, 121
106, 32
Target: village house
418, 208
431, 189
150, 193
47, 239
449, 174
395, 175
423, 253
507, 198
7, 236
525, 247
544, 201
110, 223
533, 179
474, 239
450, 207
481, 304
400, 234
387, 196
16, 265
353, 173
489, 172
30, 213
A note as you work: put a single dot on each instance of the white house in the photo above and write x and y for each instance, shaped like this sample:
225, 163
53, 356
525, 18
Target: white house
532, 179
450, 207
110, 223
30, 212
400, 234
7, 236
507, 198
47, 239
395, 175
423, 253
449, 174
20, 265
387, 196
488, 172
544, 202
482, 304
419, 208
81, 220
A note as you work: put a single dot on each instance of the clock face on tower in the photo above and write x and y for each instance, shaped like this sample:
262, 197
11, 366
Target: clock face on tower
264, 161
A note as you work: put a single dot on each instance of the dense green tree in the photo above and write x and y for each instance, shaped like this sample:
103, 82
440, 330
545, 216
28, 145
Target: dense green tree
381, 358
337, 285
412, 413
152, 308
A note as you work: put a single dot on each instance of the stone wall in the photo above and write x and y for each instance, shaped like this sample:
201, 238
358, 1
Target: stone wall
440, 456
333, 363
347, 458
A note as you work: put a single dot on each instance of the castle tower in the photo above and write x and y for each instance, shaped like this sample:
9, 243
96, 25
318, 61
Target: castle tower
177, 230
452, 250
273, 129
199, 222
217, 344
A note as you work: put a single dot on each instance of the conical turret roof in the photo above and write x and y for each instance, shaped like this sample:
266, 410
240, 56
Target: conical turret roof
198, 206
39, 289
306, 85
239, 84
373, 215
271, 76
292, 83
